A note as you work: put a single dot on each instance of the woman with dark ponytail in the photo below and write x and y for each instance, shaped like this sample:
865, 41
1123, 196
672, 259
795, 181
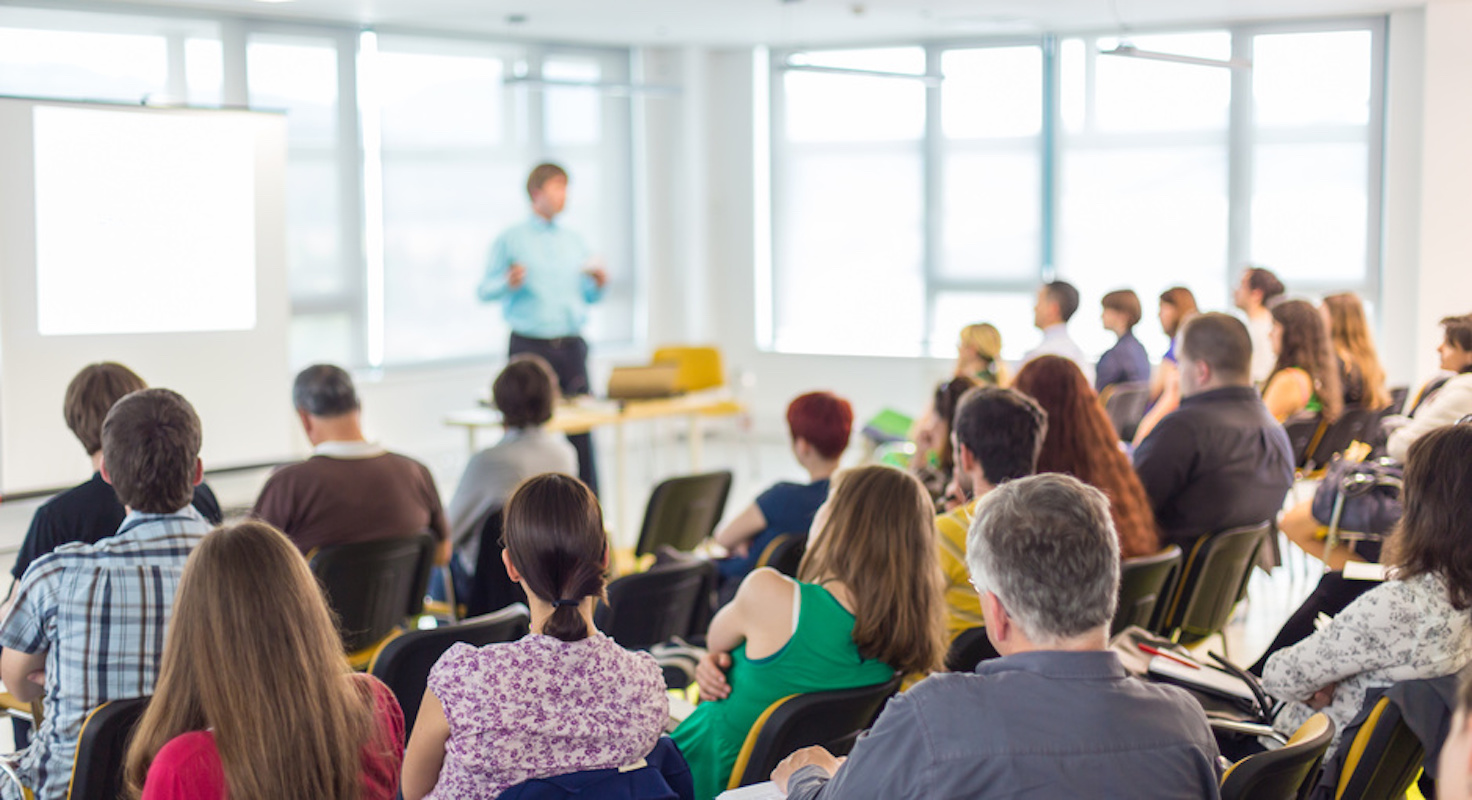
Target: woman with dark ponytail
563, 699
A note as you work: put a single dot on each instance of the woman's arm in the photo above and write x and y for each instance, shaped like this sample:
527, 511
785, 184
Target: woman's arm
1371, 633
1170, 400
1287, 393
743, 528
426, 752
760, 615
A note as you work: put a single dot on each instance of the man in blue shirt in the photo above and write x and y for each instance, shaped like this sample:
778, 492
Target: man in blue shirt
543, 275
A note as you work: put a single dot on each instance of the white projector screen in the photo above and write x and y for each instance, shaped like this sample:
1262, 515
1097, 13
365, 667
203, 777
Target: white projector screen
152, 237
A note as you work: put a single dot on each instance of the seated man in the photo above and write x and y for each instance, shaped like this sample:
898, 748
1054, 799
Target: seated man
91, 511
996, 437
820, 424
93, 615
1057, 302
1057, 716
350, 490
525, 393
1220, 460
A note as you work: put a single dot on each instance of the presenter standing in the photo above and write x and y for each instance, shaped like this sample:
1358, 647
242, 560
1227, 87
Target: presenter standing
545, 279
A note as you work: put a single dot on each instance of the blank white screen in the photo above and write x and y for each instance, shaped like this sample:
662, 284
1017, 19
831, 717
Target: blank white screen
145, 222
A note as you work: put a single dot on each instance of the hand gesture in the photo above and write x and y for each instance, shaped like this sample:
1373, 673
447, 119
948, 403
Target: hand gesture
516, 276
710, 674
598, 274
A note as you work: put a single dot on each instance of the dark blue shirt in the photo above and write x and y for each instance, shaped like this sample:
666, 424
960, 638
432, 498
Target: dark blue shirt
1125, 362
788, 508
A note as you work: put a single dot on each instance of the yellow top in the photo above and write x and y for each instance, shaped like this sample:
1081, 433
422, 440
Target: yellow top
963, 606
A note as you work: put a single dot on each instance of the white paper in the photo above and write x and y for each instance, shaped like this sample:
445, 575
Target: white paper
766, 790
1204, 677
1361, 571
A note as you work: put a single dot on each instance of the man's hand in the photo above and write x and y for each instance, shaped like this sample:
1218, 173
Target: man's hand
802, 758
710, 674
1322, 697
516, 276
598, 274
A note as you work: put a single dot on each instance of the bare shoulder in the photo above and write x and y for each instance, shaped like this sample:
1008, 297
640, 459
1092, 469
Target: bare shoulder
766, 591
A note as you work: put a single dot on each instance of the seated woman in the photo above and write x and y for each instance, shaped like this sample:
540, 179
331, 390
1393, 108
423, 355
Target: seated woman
820, 424
1415, 625
867, 604
254, 697
563, 699
1126, 361
1177, 305
1361, 377
979, 355
1305, 377
934, 462
1081, 442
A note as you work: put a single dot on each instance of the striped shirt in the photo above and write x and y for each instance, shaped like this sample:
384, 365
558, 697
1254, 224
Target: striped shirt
99, 612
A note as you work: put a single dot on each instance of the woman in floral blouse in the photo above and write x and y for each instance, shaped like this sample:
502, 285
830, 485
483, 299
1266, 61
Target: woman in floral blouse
1416, 625
563, 699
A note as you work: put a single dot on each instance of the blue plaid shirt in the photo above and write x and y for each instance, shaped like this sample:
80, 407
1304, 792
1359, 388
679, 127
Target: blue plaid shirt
99, 612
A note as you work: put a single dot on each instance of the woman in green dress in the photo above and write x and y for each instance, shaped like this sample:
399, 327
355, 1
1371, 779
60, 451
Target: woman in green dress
867, 604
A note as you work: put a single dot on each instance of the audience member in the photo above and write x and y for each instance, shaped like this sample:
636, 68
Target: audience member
1057, 715
1304, 377
1177, 305
565, 698
1256, 295
866, 604
1057, 301
218, 726
996, 437
87, 620
979, 355
934, 462
1220, 460
1126, 361
1081, 442
1415, 625
525, 393
820, 424
1361, 377
350, 490
91, 511
1446, 402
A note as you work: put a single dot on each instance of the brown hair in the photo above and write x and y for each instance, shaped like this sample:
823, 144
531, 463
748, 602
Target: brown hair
879, 541
248, 623
554, 535
91, 394
1306, 347
525, 392
1459, 331
150, 446
1433, 533
1349, 332
1222, 342
947, 397
1183, 301
542, 173
1263, 280
1081, 442
1126, 302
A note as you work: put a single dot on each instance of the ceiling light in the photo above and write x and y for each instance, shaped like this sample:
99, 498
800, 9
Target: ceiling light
1130, 51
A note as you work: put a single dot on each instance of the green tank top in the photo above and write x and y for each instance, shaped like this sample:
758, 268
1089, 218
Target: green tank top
821, 655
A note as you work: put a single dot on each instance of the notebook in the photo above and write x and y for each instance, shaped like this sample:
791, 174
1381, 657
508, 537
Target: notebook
766, 790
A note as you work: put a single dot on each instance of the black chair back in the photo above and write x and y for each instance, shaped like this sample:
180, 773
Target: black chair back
683, 512
969, 648
374, 586
1304, 431
1213, 579
1384, 758
647, 608
1353, 424
784, 553
491, 589
831, 719
404, 663
1287, 773
97, 771
1125, 404
1142, 582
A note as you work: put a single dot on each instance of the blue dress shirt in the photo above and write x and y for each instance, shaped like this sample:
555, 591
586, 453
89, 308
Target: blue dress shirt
1125, 362
553, 299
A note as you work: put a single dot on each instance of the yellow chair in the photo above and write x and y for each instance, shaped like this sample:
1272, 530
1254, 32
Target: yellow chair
699, 367
1384, 758
1289, 771
831, 719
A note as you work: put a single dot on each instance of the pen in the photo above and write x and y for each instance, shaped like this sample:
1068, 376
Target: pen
1158, 652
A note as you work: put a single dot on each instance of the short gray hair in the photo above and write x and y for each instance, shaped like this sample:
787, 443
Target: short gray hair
324, 390
1047, 548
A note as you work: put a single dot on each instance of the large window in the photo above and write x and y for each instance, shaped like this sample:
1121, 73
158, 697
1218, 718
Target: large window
919, 189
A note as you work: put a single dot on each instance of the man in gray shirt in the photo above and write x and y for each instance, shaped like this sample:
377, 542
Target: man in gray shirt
1056, 716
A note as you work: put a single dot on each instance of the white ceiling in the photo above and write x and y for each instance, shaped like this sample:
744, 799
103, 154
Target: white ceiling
741, 22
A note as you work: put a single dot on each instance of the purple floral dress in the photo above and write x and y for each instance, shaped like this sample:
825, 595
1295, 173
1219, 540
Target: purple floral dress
541, 707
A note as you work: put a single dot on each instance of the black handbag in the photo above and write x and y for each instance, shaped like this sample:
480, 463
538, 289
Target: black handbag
1370, 491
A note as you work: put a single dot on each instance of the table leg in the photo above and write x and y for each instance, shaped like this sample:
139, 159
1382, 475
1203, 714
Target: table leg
626, 531
696, 443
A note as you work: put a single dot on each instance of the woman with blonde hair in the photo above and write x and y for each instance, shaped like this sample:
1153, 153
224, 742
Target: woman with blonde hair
249, 627
1361, 376
979, 354
866, 604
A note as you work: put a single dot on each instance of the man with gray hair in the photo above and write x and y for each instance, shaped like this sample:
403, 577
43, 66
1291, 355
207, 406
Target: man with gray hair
350, 490
1057, 715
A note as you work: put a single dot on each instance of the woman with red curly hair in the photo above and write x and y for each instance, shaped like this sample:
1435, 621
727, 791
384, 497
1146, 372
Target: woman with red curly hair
1081, 442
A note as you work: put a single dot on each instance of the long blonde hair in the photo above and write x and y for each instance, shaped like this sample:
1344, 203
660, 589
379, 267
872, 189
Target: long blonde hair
1349, 332
985, 340
879, 542
253, 653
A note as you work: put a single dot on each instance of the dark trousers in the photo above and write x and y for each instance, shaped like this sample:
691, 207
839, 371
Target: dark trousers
1330, 597
569, 359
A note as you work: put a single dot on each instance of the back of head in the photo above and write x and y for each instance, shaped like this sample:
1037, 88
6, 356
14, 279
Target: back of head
1045, 546
1126, 302
525, 392
984, 339
1434, 531
1183, 302
1305, 345
878, 540
324, 390
1222, 342
1073, 413
1003, 429
249, 620
554, 536
150, 448
1262, 280
1065, 296
542, 173
90, 396
822, 419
